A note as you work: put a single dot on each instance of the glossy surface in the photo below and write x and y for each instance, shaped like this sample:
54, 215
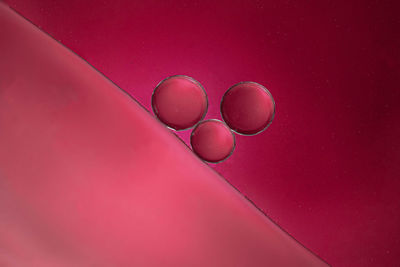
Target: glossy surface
327, 170
248, 108
179, 102
89, 178
212, 141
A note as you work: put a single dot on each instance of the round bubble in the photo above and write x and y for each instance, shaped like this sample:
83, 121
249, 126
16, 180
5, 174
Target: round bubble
180, 102
212, 141
248, 108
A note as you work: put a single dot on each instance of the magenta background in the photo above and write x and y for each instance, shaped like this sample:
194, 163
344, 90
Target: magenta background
327, 170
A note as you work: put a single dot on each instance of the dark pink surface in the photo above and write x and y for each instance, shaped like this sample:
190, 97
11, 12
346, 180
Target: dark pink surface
179, 102
89, 178
248, 108
212, 141
327, 170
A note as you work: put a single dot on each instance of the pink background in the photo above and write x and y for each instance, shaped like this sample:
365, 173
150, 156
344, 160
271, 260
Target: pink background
327, 170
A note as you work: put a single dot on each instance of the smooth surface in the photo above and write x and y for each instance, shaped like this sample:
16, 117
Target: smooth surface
179, 102
213, 141
327, 169
90, 178
248, 108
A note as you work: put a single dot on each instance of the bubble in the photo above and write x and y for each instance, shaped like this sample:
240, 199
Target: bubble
248, 108
180, 102
212, 141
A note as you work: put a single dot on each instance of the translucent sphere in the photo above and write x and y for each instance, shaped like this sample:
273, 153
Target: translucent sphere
248, 108
180, 102
212, 141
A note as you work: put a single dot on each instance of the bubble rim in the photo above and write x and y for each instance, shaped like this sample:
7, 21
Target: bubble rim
262, 87
191, 79
230, 130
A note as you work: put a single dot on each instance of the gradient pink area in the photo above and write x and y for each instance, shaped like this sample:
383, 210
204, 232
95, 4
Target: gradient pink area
90, 178
327, 169
212, 141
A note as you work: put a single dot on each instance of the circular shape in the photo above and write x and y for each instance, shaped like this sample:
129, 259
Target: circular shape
212, 141
248, 108
179, 102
